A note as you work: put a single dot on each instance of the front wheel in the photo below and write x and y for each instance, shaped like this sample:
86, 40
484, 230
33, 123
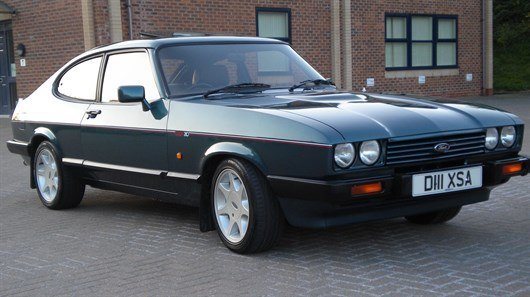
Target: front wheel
57, 188
246, 214
436, 217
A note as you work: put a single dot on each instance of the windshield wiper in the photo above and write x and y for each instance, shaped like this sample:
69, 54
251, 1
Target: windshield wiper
245, 88
310, 83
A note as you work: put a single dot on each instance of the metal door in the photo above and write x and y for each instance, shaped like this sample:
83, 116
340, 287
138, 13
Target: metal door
7, 79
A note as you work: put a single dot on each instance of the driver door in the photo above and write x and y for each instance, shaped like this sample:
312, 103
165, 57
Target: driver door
123, 144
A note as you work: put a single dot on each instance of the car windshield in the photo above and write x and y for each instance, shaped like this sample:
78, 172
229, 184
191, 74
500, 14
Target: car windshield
196, 69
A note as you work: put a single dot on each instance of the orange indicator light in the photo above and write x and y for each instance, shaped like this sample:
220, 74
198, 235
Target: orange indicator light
512, 168
179, 155
371, 188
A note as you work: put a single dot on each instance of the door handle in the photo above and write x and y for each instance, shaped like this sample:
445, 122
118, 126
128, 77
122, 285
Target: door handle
92, 113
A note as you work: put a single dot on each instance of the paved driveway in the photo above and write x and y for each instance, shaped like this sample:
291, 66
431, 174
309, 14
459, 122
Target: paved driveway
116, 244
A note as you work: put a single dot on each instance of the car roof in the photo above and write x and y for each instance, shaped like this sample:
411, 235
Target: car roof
161, 42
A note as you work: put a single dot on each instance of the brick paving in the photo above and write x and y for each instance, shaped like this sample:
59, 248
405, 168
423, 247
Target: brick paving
120, 245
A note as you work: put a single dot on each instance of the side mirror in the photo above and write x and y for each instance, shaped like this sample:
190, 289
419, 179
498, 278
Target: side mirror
128, 94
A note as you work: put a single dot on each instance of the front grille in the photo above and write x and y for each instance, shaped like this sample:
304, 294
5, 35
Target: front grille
422, 149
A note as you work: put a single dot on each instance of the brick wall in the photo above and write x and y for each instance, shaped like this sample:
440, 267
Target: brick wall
310, 18
52, 32
368, 18
101, 21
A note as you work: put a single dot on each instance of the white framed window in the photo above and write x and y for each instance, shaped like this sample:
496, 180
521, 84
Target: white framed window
274, 23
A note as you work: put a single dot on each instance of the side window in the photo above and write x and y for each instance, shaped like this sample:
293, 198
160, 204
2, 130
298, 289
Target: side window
80, 82
130, 69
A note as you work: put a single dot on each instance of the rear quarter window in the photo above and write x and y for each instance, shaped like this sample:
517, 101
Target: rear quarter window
80, 81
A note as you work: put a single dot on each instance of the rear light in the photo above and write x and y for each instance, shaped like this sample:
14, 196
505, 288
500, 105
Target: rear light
512, 168
366, 189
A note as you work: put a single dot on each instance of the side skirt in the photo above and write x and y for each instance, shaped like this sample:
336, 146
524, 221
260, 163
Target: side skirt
172, 187
189, 200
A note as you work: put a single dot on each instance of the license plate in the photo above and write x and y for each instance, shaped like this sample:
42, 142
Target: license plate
446, 181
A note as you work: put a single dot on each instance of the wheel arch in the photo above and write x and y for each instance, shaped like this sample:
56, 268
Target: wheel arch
219, 151
40, 134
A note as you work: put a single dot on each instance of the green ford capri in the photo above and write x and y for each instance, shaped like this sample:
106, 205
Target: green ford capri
250, 133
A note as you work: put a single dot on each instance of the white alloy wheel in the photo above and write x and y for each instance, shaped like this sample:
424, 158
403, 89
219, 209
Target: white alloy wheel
47, 175
231, 204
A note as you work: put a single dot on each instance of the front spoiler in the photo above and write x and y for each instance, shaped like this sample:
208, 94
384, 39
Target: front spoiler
318, 214
320, 204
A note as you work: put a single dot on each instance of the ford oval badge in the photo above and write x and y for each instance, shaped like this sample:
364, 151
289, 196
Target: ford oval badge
442, 147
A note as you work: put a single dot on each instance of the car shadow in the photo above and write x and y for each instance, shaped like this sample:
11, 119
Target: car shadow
372, 241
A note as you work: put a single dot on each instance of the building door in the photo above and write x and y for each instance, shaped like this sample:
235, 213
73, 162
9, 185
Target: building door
7, 71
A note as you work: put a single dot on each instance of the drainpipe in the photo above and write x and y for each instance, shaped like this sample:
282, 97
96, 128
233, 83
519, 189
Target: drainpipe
487, 32
129, 15
335, 43
347, 47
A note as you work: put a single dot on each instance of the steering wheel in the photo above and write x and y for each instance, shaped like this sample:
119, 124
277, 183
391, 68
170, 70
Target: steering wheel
201, 86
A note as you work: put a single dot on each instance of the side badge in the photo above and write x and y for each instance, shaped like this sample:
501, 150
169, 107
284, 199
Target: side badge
182, 134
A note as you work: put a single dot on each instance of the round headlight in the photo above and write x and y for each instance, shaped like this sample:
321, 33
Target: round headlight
508, 136
492, 138
369, 152
344, 155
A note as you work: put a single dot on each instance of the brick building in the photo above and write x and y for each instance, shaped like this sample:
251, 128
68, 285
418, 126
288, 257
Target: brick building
421, 47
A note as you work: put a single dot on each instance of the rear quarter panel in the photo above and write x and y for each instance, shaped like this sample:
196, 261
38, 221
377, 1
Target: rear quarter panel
58, 120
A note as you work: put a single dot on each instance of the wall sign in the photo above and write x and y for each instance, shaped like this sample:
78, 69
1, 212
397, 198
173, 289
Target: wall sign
22, 62
370, 82
421, 79
469, 77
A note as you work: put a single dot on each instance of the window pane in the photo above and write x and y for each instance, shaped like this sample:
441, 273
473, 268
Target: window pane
396, 54
421, 54
80, 82
446, 54
421, 28
273, 24
396, 27
446, 29
132, 69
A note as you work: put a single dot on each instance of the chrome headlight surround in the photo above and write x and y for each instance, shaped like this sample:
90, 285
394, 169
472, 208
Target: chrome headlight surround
344, 155
508, 136
369, 152
492, 138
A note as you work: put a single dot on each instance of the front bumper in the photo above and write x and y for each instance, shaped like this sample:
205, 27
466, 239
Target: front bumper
326, 203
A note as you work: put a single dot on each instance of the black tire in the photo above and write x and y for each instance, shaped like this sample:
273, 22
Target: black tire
70, 189
436, 217
266, 221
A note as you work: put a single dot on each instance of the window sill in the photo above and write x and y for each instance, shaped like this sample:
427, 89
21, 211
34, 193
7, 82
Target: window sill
416, 73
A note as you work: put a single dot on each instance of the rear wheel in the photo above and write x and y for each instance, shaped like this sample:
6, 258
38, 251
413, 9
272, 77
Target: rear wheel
246, 214
436, 217
57, 188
